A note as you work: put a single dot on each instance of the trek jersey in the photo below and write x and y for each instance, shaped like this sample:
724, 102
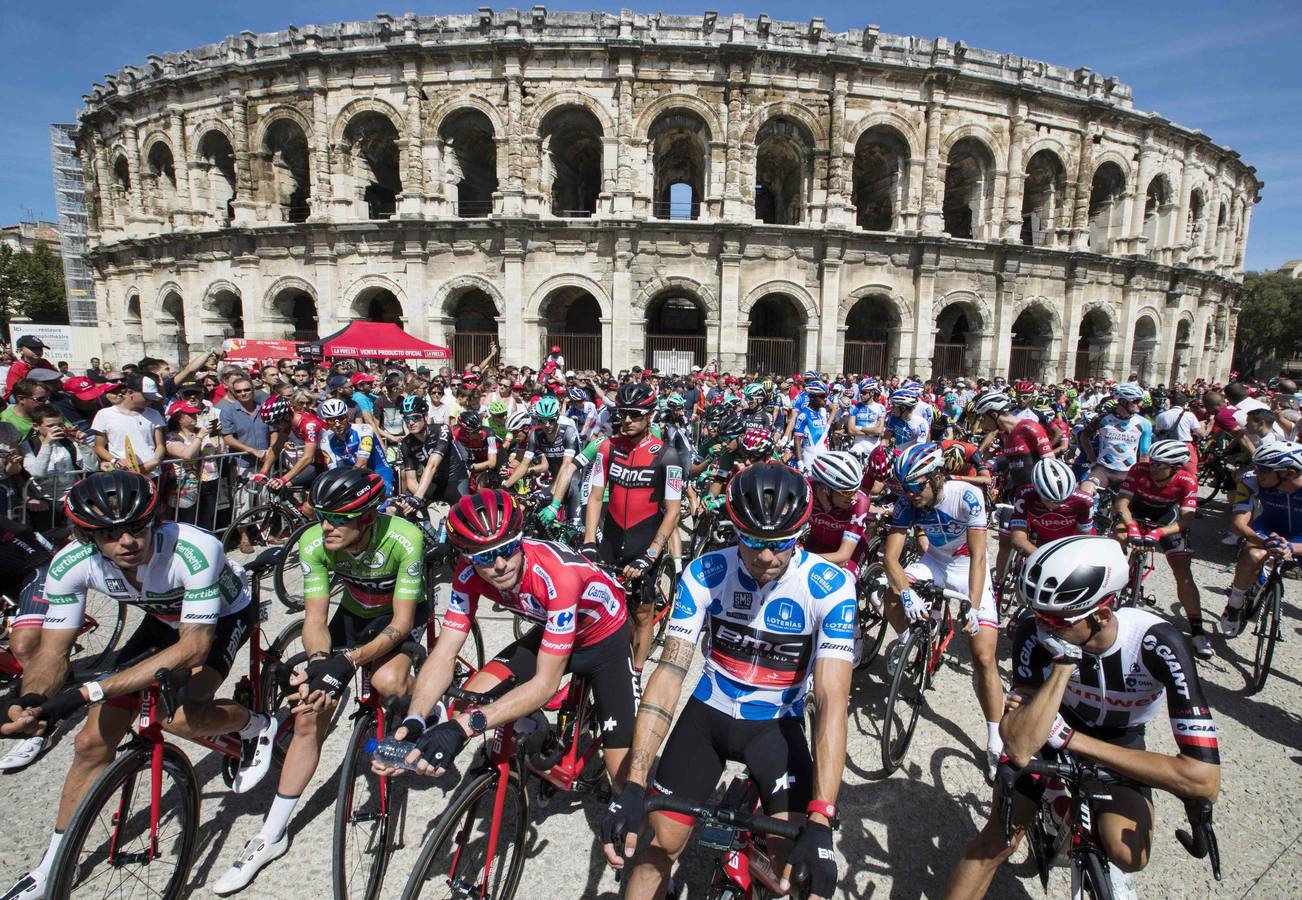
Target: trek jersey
1151, 502
187, 581
866, 415
642, 475
1073, 516
907, 432
1117, 692
1123, 441
1022, 446
961, 507
391, 568
764, 641
829, 527
360, 440
564, 446
22, 551
1280, 513
438, 439
577, 604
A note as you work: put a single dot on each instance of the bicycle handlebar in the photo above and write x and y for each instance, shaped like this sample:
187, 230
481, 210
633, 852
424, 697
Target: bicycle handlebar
478, 698
1200, 840
733, 818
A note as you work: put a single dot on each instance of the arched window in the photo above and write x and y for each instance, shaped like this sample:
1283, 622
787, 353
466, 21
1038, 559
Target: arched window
1094, 345
285, 183
1043, 194
1107, 207
675, 333
469, 162
784, 167
881, 160
371, 153
573, 318
776, 335
969, 187
215, 177
571, 161
872, 337
162, 175
474, 328
1157, 212
1032, 336
680, 153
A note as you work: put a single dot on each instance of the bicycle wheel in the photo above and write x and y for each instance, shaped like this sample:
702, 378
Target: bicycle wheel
906, 698
1095, 879
288, 652
664, 580
106, 847
453, 859
92, 651
267, 525
363, 820
1130, 594
871, 591
1267, 633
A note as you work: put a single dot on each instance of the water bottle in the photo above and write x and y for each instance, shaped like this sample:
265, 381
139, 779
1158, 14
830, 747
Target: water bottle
389, 752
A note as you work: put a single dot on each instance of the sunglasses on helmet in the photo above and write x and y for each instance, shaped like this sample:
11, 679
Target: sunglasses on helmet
488, 557
777, 545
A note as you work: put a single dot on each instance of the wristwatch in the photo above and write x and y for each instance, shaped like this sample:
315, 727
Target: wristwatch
478, 722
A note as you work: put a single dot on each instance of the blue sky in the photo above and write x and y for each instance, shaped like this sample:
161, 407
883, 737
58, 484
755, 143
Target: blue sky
1230, 69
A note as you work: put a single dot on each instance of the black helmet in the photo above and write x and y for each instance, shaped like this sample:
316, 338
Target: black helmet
347, 490
470, 420
111, 499
413, 406
731, 425
636, 395
769, 500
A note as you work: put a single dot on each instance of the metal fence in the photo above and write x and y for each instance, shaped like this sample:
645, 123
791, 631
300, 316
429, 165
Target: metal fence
947, 360
1027, 362
865, 357
581, 351
1091, 364
470, 347
771, 355
663, 209
674, 349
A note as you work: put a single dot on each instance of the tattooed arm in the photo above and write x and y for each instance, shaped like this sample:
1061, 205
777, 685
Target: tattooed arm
656, 712
384, 643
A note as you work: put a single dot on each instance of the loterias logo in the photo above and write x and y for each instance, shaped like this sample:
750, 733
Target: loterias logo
711, 570
784, 616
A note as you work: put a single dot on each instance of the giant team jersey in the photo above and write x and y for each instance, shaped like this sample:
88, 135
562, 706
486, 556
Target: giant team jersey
1123, 441
764, 641
961, 507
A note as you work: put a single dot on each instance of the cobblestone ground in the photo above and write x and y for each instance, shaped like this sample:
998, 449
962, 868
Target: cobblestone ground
900, 835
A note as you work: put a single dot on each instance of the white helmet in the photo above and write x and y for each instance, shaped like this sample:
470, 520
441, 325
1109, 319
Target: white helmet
1278, 455
1128, 391
1073, 576
518, 420
1053, 479
1171, 453
334, 408
993, 402
838, 470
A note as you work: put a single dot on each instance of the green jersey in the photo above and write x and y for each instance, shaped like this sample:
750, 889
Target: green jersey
390, 568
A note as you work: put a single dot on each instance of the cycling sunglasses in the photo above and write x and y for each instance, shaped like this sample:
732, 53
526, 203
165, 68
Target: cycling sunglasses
913, 487
1067, 621
411, 420
336, 519
135, 529
621, 414
777, 546
488, 557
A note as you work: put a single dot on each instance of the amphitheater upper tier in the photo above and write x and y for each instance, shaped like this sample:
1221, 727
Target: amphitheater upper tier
667, 189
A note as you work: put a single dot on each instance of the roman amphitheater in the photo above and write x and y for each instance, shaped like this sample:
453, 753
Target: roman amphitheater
664, 190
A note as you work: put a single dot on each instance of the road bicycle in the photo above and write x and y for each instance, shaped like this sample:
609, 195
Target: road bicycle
92, 650
137, 827
272, 520
1104, 513
1141, 566
1005, 586
1215, 471
478, 845
1263, 606
921, 649
1062, 828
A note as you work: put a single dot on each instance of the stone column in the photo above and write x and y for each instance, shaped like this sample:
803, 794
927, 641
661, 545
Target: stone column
1179, 238
933, 186
622, 203
923, 347
1071, 319
411, 203
182, 217
1080, 213
734, 202
322, 185
136, 205
628, 326
513, 193
244, 205
731, 347
1002, 336
837, 202
1242, 243
1017, 137
1135, 235
829, 302
521, 338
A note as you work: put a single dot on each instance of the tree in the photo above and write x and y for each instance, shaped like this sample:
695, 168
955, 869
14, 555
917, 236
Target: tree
31, 283
1270, 322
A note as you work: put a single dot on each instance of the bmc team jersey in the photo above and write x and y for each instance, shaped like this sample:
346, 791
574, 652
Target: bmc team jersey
829, 527
1114, 694
907, 432
961, 507
187, 581
1123, 441
764, 641
1073, 516
866, 415
360, 441
1280, 513
391, 567
1153, 502
577, 604
564, 446
642, 476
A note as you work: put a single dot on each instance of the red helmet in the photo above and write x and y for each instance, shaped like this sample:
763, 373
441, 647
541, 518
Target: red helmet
483, 520
879, 463
1025, 387
274, 409
556, 348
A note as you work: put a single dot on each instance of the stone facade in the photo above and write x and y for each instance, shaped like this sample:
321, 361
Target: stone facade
653, 188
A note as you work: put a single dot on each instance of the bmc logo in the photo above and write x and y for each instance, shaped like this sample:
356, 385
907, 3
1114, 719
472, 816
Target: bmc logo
628, 477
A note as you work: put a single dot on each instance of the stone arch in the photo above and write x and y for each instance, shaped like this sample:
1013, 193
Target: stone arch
969, 187
545, 105
1159, 202
1145, 337
1035, 334
574, 312
131, 306
676, 322
681, 283
365, 105
785, 108
1117, 159
963, 322
707, 113
1107, 204
222, 312
872, 321
880, 177
571, 159
201, 129
993, 144
533, 309
1096, 335
680, 153
977, 304
452, 105
212, 172
152, 138
170, 320
1044, 194
903, 310
781, 286
282, 163
276, 114
1041, 305
1195, 227
470, 162
370, 284
371, 157
450, 292
284, 303
906, 128
783, 180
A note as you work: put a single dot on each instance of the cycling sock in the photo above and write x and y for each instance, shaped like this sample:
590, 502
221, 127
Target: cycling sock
993, 739
257, 721
278, 817
1196, 625
47, 861
1236, 598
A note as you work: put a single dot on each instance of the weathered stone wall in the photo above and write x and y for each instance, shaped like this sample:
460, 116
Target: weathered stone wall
521, 157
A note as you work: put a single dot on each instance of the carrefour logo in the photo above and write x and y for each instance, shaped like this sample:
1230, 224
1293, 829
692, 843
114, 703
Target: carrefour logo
562, 621
785, 616
824, 579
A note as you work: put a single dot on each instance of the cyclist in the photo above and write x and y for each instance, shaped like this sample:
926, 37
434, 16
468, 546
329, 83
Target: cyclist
380, 560
556, 442
287, 423
646, 485
777, 616
479, 445
1273, 488
1050, 507
905, 424
964, 462
838, 523
197, 616
867, 421
433, 464
518, 427
755, 415
497, 422
1156, 505
810, 425
24, 558
1089, 678
347, 443
580, 627
1124, 436
952, 516
1025, 408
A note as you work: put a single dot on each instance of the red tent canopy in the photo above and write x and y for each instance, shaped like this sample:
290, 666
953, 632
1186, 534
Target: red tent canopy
376, 340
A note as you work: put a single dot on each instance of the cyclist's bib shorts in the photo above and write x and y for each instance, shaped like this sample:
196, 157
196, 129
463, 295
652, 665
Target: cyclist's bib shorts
953, 575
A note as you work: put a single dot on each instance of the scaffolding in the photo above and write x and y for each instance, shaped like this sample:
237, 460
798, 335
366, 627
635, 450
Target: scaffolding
70, 201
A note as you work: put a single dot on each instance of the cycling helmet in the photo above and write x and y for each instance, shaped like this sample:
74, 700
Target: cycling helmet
903, 397
413, 406
1278, 456
470, 420
811, 375
879, 463
991, 403
547, 409
769, 500
838, 470
753, 392
1053, 479
868, 386
816, 388
334, 408
1171, 453
675, 401
730, 426
484, 520
496, 408
1129, 392
273, 409
518, 421
579, 395
918, 463
110, 499
731, 401
757, 442
1024, 387
955, 459
1073, 576
636, 395
347, 490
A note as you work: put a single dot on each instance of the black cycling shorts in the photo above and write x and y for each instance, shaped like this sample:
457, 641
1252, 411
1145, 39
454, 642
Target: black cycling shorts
1032, 786
232, 633
774, 751
348, 631
448, 492
608, 667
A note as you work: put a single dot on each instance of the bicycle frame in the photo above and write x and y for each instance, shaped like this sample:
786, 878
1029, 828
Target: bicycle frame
571, 719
